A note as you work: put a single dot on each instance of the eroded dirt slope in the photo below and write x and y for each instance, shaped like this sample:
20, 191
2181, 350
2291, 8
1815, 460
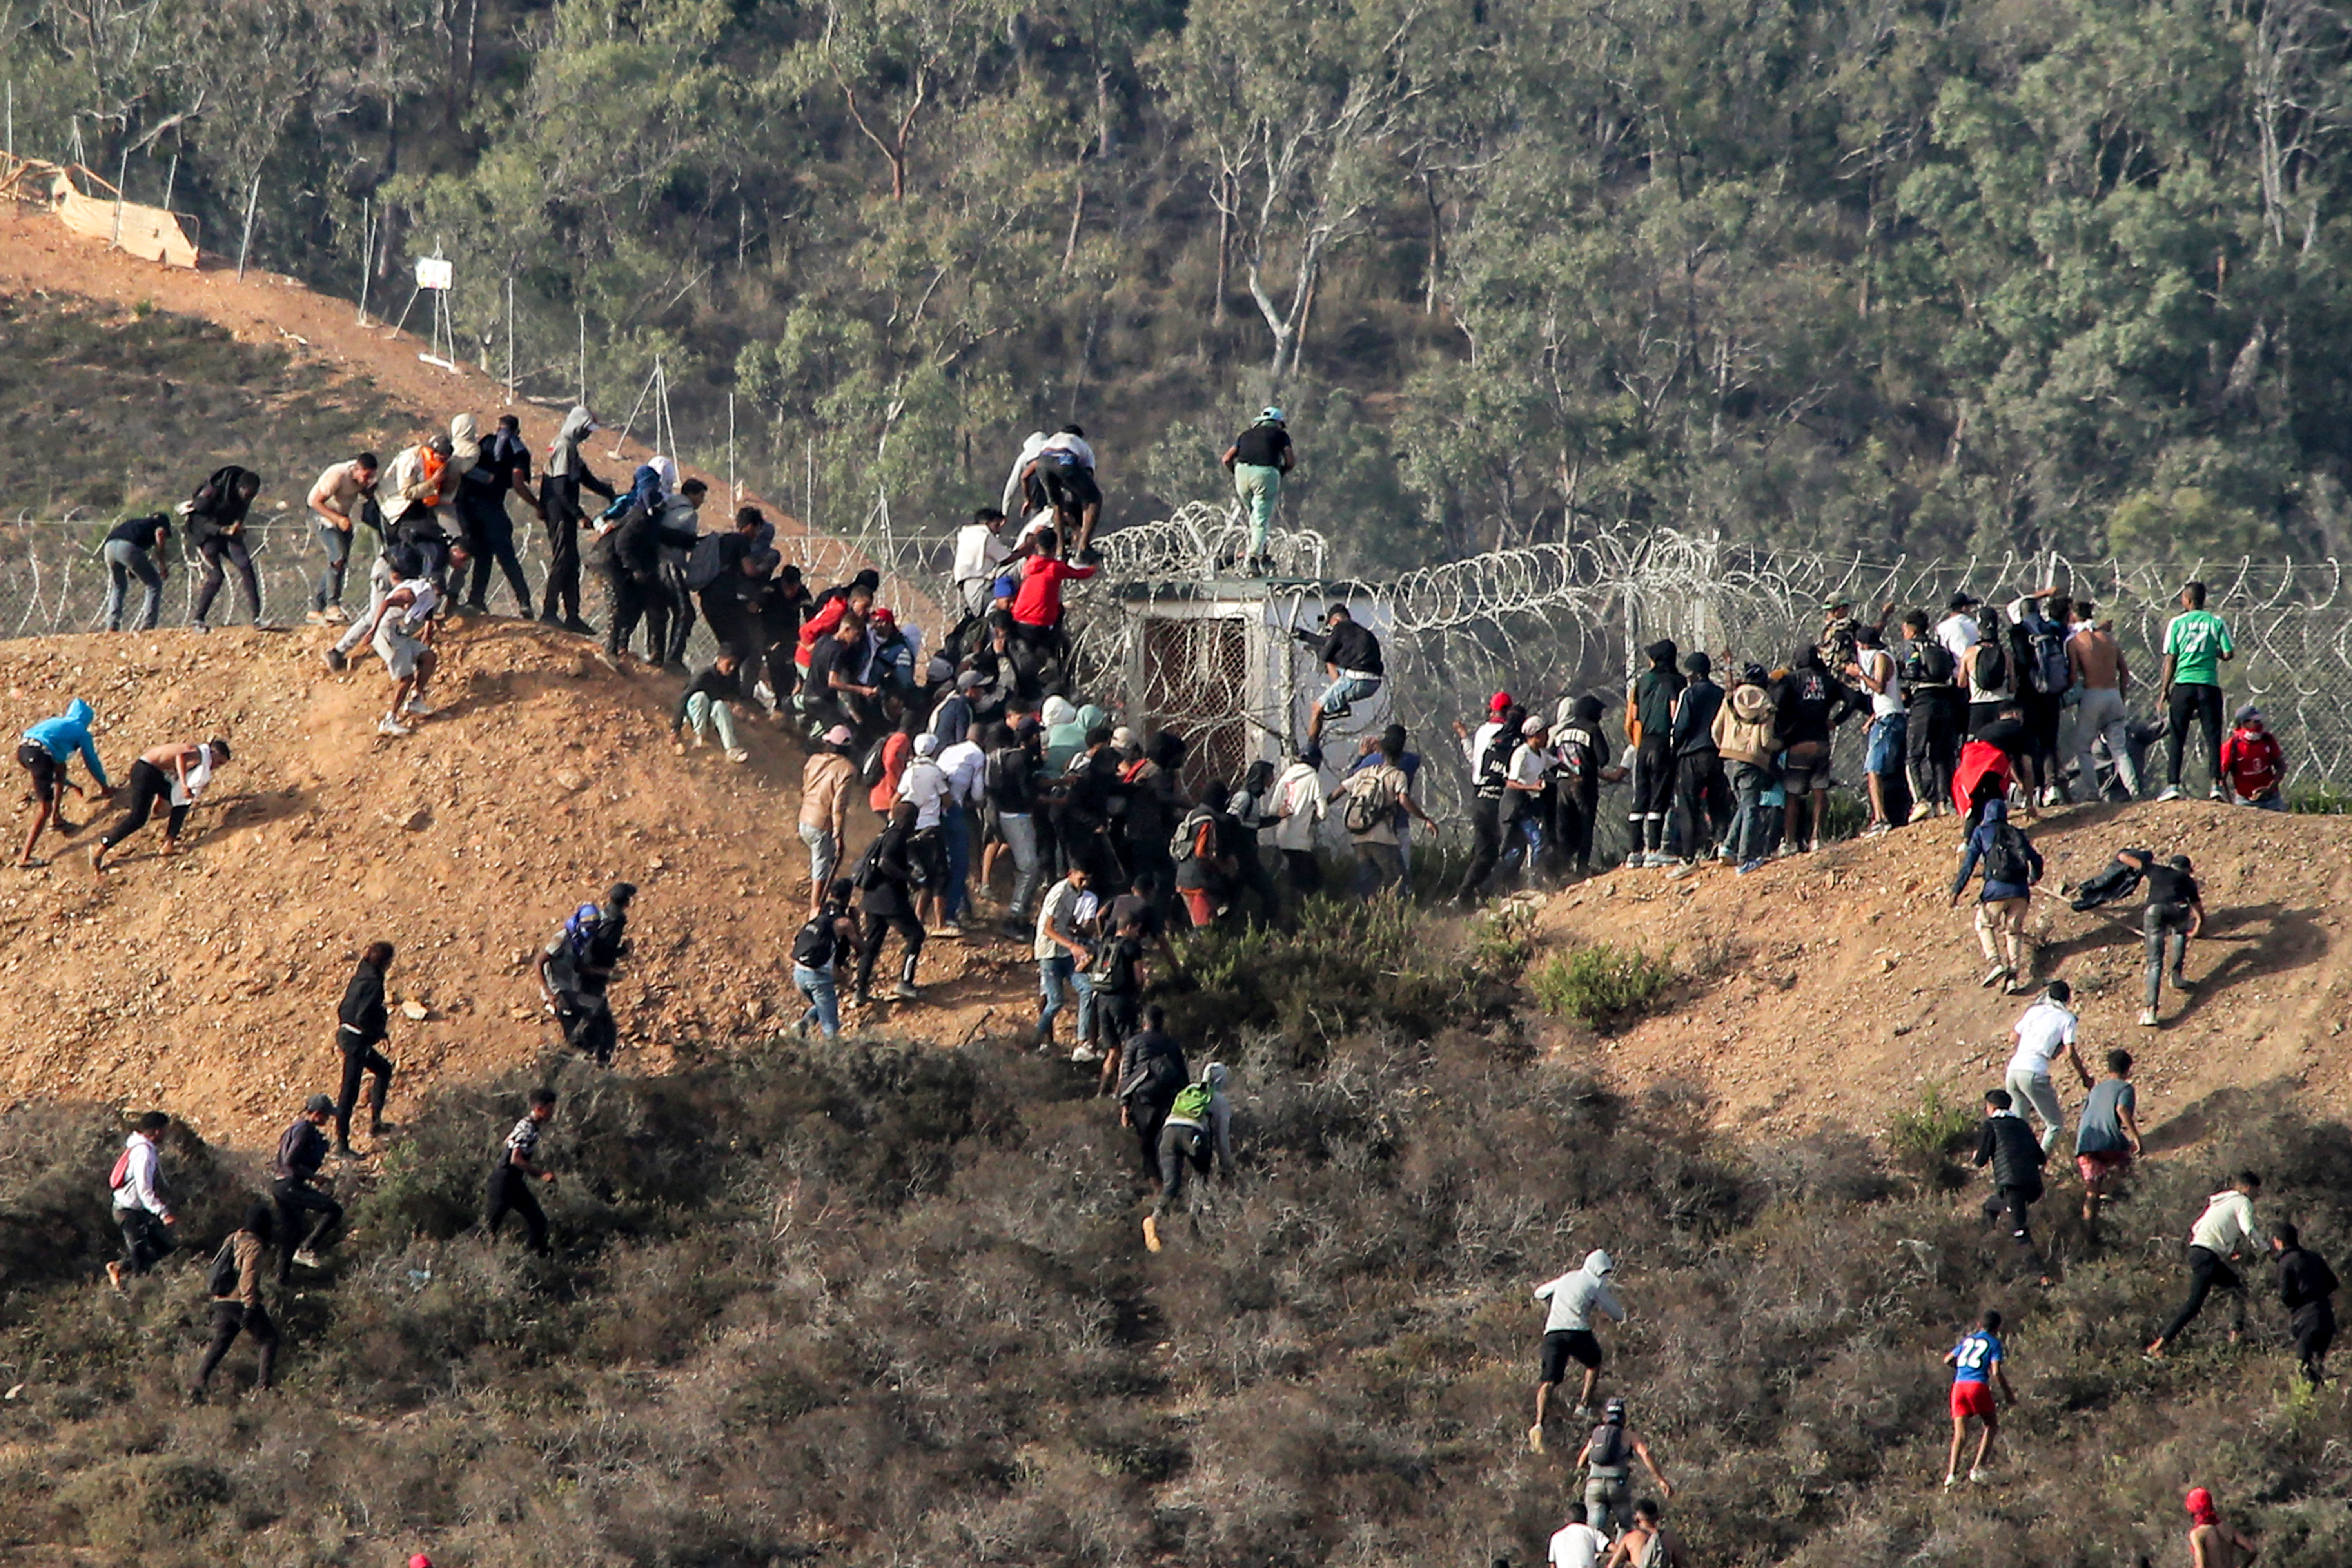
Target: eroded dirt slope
1833, 987
208, 983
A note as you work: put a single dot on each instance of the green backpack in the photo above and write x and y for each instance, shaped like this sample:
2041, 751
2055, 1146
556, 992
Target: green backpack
1191, 1102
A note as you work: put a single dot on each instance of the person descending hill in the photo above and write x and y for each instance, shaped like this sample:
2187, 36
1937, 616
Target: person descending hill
2224, 1233
828, 936
172, 777
336, 500
1575, 1298
576, 969
708, 703
515, 1169
360, 1028
1977, 1363
142, 1211
2012, 865
294, 1176
234, 1284
401, 632
1607, 1459
46, 753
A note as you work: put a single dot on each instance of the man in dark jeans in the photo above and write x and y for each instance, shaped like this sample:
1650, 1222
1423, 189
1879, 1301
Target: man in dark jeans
566, 476
241, 1309
2196, 642
512, 1173
2223, 1235
1151, 1071
1649, 724
2006, 1144
359, 1030
300, 1152
504, 470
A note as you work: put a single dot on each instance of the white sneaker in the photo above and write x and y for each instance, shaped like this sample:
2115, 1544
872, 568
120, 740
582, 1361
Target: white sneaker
2148, 1019
317, 618
1535, 1438
1813, 847
738, 754
419, 709
2215, 793
1979, 1477
1922, 810
391, 727
306, 1258
2171, 792
1085, 1054
2050, 795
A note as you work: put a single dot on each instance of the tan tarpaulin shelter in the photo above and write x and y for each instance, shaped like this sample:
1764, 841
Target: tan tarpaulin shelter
149, 233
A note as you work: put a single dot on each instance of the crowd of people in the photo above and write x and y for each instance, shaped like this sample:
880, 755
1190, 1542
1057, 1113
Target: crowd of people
975, 755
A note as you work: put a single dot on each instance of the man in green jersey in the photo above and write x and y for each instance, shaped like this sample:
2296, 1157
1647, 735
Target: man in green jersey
2194, 646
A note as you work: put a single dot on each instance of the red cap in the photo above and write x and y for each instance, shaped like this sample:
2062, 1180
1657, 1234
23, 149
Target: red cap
2199, 1503
420, 1561
1496, 703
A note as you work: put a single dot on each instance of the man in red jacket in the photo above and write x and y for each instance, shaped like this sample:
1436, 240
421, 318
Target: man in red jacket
2253, 764
1037, 603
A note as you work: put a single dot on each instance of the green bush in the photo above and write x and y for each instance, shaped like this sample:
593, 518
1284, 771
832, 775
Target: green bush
1928, 1133
1602, 986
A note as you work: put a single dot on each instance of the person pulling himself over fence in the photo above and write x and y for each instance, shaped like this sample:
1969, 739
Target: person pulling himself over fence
1351, 655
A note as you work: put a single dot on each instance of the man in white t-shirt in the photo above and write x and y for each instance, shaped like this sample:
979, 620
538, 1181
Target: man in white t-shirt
1873, 669
2047, 1027
978, 553
1575, 1544
1524, 783
402, 634
1958, 631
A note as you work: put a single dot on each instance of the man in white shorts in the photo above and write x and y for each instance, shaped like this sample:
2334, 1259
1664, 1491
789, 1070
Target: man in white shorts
402, 636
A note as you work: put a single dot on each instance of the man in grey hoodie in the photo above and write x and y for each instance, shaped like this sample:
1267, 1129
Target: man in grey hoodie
567, 474
1574, 1298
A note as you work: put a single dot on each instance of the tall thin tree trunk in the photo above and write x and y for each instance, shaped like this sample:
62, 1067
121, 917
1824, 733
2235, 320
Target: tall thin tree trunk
1224, 251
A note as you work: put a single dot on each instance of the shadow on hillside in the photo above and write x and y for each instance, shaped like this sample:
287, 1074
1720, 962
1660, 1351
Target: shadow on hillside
256, 809
2223, 1111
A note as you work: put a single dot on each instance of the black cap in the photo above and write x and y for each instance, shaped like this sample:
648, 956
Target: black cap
1962, 601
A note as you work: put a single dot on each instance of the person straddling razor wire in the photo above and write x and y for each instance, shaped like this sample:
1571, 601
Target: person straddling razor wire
46, 753
172, 777
1258, 459
1351, 655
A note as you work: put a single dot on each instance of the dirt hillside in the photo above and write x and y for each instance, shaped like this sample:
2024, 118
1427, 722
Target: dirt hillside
208, 983
1834, 988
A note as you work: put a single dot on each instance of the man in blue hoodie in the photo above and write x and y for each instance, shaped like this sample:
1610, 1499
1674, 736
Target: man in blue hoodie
47, 754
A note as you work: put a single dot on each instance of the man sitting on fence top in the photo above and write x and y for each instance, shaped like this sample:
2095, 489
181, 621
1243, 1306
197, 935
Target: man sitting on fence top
1351, 656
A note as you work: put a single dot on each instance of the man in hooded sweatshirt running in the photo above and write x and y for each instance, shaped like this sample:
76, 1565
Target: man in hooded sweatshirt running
46, 753
566, 475
1574, 1298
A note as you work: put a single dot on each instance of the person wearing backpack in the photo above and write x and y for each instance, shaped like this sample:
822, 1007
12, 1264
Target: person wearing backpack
1205, 864
360, 1028
575, 971
1200, 1118
1151, 1072
2012, 865
140, 1211
1583, 768
234, 1284
1745, 737
1985, 670
1607, 1459
1931, 736
886, 880
1247, 807
830, 933
1375, 797
1118, 981
1490, 752
301, 1150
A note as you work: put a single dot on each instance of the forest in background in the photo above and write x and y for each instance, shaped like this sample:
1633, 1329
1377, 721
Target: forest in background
1893, 276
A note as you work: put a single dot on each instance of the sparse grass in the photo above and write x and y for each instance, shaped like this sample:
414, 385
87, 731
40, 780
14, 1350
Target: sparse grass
2320, 800
1602, 986
1939, 1125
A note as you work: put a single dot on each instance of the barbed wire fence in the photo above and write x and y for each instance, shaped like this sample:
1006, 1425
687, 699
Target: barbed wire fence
1543, 622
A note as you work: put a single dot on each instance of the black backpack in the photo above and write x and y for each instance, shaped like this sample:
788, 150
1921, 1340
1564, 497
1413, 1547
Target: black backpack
818, 944
2050, 674
1931, 663
2006, 861
1608, 1448
866, 874
1493, 764
222, 1280
869, 767
1992, 666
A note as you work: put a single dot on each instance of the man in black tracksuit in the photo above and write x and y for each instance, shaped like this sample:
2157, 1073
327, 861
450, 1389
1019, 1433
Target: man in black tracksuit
1151, 1071
640, 592
2016, 1156
2306, 1287
300, 1152
360, 1028
566, 476
514, 1169
1650, 725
